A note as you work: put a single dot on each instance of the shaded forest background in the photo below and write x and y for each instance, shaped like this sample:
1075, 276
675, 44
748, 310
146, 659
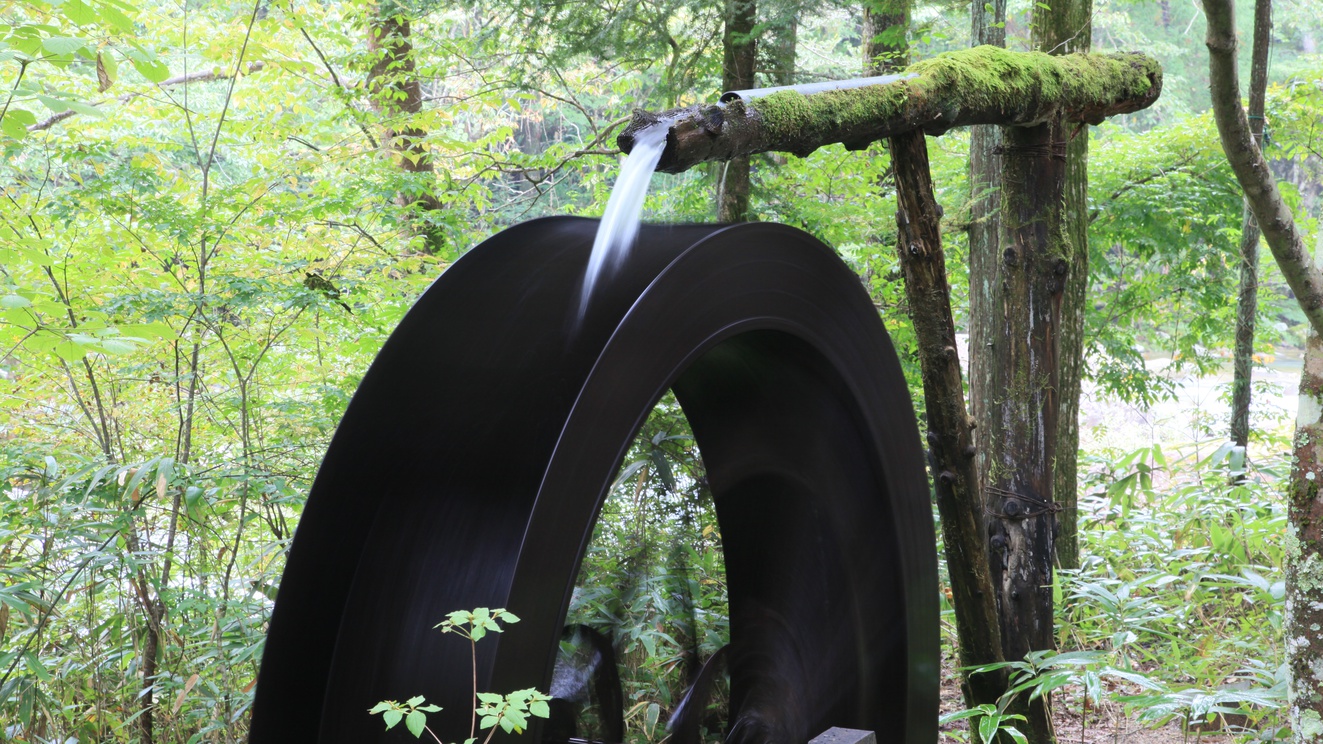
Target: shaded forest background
212, 215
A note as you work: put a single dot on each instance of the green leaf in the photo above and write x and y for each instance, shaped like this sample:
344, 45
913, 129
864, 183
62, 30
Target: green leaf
134, 480
490, 698
146, 330
509, 617
516, 720
54, 104
24, 116
960, 715
62, 44
151, 68
14, 302
414, 701
1142, 680
86, 109
69, 351
416, 721
392, 717
539, 708
36, 251
29, 45
379, 707
114, 17
35, 666
79, 12
12, 126
650, 717
118, 346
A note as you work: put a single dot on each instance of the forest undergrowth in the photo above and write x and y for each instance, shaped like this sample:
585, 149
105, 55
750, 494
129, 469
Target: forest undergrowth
1170, 630
1174, 618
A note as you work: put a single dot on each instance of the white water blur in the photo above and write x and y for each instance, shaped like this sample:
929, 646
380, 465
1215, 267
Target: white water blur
620, 223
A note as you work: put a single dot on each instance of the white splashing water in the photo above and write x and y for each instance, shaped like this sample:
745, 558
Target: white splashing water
620, 223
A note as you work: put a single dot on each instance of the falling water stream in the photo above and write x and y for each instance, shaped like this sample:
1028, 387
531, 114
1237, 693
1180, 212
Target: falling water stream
620, 222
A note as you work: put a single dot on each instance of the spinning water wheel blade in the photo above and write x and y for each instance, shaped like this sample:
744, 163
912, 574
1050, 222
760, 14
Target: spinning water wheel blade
471, 464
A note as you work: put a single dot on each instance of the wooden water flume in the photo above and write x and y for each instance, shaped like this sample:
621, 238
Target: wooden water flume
984, 85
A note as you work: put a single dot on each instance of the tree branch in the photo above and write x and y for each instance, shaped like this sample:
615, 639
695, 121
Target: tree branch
336, 79
1270, 211
985, 85
192, 77
1183, 166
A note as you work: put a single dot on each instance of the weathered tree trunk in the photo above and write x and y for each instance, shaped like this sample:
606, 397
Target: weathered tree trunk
1065, 27
988, 27
154, 611
1304, 558
1304, 550
1021, 437
884, 28
950, 435
1304, 553
935, 95
1247, 305
1271, 213
737, 73
396, 93
783, 43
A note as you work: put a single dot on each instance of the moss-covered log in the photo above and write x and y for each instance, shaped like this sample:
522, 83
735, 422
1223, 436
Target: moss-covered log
984, 85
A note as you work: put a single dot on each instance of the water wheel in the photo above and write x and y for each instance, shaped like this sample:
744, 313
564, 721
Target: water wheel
471, 464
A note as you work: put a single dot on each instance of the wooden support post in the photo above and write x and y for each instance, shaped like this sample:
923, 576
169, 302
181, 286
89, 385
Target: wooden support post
1022, 424
950, 436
